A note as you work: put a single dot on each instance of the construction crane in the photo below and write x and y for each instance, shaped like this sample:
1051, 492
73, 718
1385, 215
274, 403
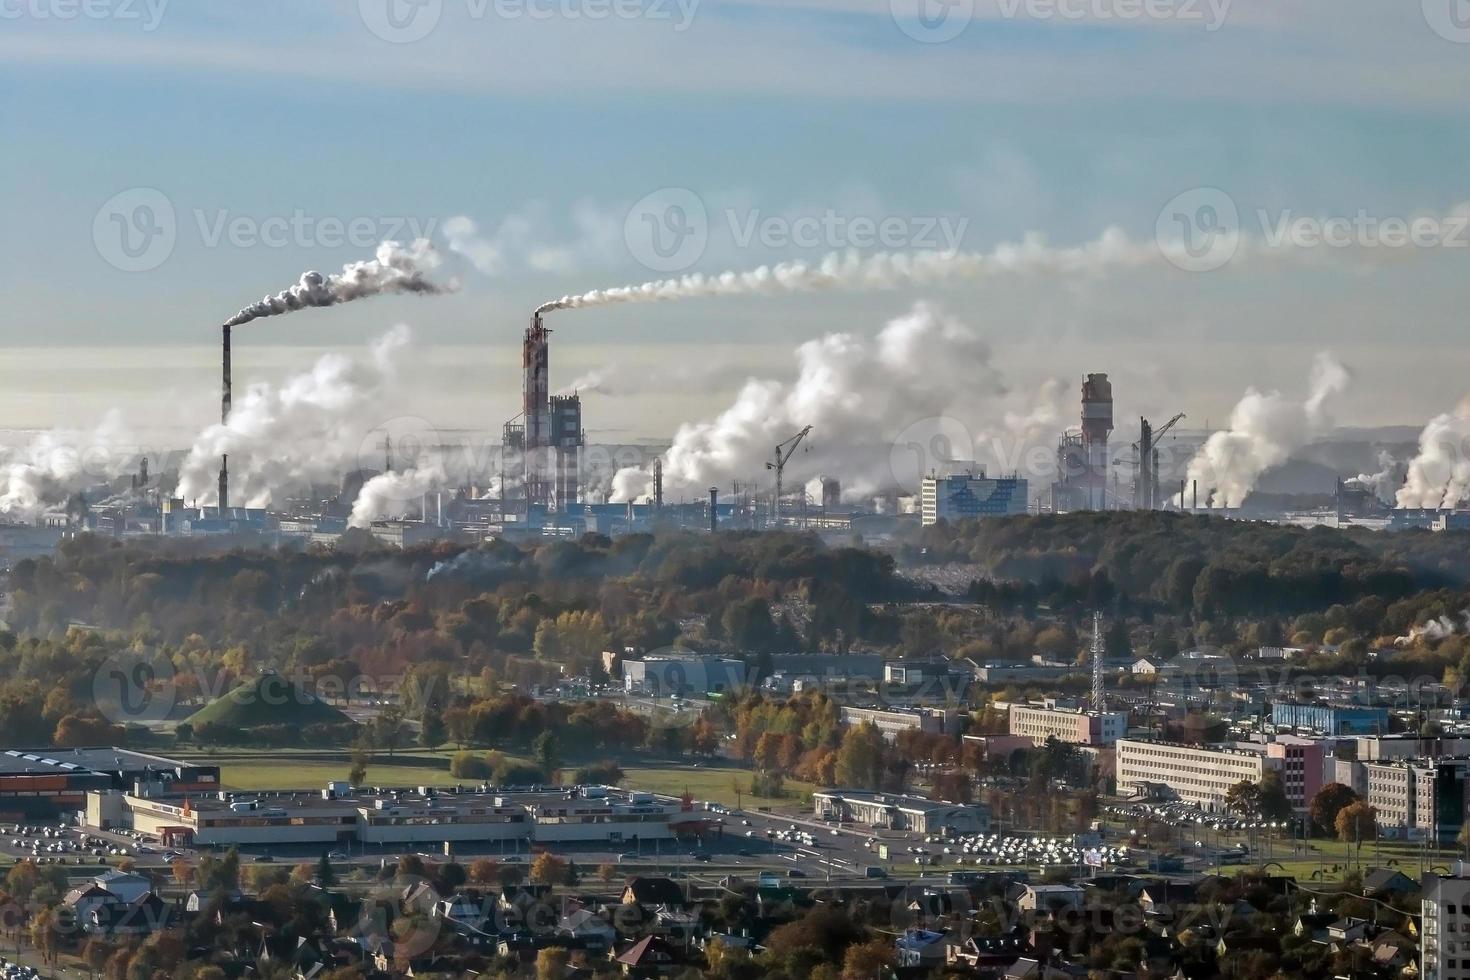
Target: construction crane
1146, 488
1145, 462
783, 455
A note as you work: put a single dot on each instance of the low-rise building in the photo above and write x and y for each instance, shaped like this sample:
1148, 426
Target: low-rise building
894, 812
663, 676
890, 721
1078, 727
1329, 719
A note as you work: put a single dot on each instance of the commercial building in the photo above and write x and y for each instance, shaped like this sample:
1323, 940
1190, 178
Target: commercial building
1445, 926
893, 812
1329, 719
1378, 748
1048, 720
342, 815
45, 783
1197, 774
966, 496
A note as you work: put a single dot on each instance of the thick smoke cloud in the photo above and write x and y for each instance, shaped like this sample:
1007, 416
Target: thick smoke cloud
1439, 475
57, 464
1265, 429
395, 269
309, 428
923, 369
1386, 482
391, 494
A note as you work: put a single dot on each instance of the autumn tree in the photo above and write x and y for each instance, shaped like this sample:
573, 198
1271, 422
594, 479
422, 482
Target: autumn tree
1327, 803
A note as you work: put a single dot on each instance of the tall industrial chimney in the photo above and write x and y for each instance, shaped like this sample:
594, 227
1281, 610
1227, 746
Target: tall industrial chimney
536, 409
658, 485
226, 397
714, 513
1097, 425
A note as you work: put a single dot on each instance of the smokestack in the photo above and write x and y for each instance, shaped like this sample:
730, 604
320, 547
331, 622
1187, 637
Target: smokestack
1195, 504
714, 514
658, 484
226, 396
1097, 425
224, 485
228, 390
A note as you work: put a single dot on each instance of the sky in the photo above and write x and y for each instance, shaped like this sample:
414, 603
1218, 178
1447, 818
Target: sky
166, 163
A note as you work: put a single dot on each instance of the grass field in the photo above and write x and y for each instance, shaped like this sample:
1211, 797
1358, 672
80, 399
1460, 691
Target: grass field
714, 783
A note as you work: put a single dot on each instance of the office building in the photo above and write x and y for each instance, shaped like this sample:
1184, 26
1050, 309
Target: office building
966, 496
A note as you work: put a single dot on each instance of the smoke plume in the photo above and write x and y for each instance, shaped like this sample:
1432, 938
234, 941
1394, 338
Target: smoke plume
850, 270
1387, 481
396, 269
1439, 475
390, 494
1265, 429
309, 428
1438, 628
57, 464
923, 371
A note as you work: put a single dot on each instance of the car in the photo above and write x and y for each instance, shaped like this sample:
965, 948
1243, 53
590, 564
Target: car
262, 858
702, 857
795, 873
336, 856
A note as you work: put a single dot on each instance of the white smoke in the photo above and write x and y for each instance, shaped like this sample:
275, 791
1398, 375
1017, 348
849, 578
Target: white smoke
1385, 483
1439, 475
1435, 629
1265, 429
596, 381
306, 429
858, 393
395, 269
850, 270
392, 494
57, 464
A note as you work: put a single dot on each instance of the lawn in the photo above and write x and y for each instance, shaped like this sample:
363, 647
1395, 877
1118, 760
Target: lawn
713, 783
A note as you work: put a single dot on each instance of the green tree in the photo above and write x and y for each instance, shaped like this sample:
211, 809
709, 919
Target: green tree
547, 751
1328, 803
326, 876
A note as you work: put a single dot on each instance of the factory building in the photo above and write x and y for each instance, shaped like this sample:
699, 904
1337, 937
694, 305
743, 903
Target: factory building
1083, 459
966, 496
1329, 719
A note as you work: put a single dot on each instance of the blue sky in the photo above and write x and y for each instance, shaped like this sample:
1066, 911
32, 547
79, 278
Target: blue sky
1030, 122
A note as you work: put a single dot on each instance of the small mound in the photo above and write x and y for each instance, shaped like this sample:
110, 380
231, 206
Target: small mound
269, 699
